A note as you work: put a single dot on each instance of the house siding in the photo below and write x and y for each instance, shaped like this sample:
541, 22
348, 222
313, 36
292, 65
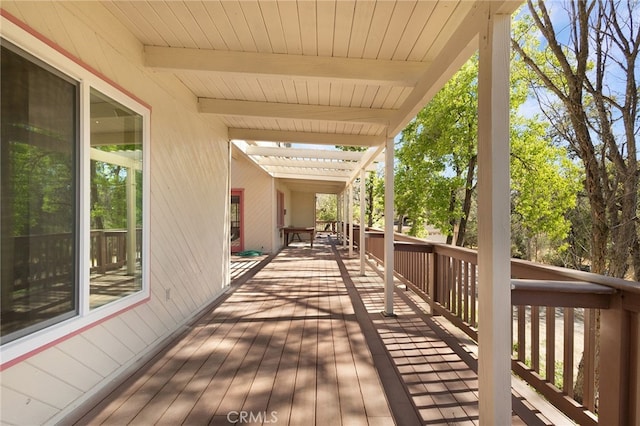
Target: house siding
189, 203
259, 219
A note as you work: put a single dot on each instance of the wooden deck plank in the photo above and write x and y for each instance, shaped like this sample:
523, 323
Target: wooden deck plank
300, 343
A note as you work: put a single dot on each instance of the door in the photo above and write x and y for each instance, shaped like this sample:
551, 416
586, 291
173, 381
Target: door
237, 231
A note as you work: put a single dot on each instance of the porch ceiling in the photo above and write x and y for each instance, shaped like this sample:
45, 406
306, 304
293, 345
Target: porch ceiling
321, 72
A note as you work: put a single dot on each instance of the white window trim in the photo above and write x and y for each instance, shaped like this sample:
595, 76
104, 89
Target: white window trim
24, 347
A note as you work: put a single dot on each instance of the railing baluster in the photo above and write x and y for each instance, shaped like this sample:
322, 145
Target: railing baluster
550, 354
467, 302
474, 317
567, 370
589, 359
535, 338
522, 340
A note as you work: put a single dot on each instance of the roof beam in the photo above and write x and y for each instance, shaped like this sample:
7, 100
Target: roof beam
340, 139
325, 178
292, 67
325, 154
303, 173
366, 160
273, 110
311, 164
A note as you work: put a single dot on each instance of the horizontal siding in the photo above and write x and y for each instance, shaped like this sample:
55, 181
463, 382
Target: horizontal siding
258, 202
188, 204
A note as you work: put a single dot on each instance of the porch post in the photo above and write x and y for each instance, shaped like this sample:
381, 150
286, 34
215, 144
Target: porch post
339, 216
350, 220
494, 336
363, 226
345, 207
388, 227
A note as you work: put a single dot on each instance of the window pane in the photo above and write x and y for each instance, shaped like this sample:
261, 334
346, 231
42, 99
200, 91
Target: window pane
38, 194
116, 200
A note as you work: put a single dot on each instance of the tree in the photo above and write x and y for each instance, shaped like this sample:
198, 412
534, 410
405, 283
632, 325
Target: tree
374, 187
586, 83
544, 187
437, 158
436, 174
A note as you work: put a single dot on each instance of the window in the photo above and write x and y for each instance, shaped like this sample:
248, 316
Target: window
39, 193
116, 200
73, 192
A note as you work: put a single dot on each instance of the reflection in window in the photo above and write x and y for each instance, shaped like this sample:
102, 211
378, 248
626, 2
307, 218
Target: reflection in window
116, 200
38, 195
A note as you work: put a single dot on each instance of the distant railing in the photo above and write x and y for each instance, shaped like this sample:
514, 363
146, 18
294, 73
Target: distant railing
40, 260
554, 323
326, 226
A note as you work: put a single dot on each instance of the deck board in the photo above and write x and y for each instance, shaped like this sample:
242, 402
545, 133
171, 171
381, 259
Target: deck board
302, 342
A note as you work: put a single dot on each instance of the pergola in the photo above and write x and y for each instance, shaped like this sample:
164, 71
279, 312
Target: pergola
350, 73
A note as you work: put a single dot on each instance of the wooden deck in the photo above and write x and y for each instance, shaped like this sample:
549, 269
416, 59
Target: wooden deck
302, 342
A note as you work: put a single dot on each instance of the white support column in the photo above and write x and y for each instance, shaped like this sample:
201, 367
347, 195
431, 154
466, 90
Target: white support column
388, 227
494, 363
338, 216
363, 221
351, 220
132, 234
344, 218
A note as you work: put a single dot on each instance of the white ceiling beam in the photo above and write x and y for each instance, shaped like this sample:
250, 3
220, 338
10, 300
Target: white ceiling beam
290, 67
340, 139
325, 178
366, 161
275, 110
302, 171
303, 153
330, 165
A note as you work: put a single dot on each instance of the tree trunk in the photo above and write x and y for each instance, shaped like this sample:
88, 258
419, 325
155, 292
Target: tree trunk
466, 205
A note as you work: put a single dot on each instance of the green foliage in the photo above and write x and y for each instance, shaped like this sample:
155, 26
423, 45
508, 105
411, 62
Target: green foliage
434, 154
42, 192
326, 207
436, 167
544, 185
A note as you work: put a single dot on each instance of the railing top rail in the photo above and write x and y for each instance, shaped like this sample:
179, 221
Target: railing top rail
522, 267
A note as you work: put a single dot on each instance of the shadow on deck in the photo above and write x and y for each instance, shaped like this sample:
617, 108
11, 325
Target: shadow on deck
301, 341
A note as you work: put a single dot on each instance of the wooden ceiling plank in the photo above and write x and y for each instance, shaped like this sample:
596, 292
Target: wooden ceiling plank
291, 28
207, 27
255, 21
223, 25
176, 33
423, 46
294, 112
361, 28
273, 24
189, 31
302, 92
379, 25
364, 71
397, 25
343, 26
241, 28
305, 137
416, 25
308, 32
325, 15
